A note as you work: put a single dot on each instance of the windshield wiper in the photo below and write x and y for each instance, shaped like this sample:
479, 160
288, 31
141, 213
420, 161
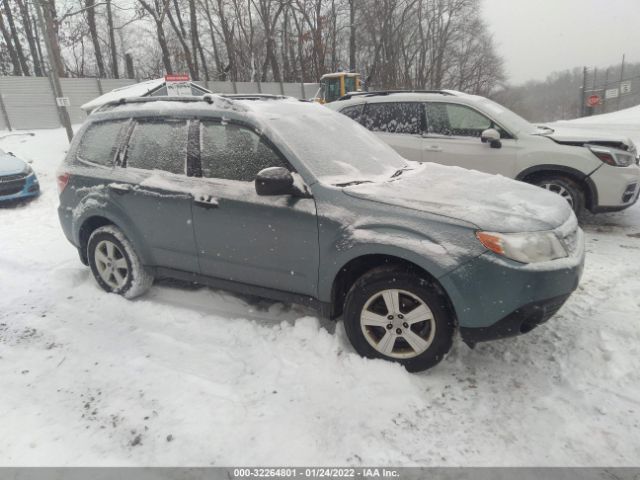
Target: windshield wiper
352, 182
544, 127
400, 171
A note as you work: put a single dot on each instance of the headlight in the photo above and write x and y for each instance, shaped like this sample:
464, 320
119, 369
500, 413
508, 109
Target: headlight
524, 247
613, 157
27, 169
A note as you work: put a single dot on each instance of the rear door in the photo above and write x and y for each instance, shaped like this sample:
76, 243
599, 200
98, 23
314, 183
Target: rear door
453, 135
265, 241
400, 124
152, 189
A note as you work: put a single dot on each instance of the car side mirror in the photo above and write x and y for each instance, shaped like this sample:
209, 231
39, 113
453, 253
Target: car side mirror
275, 181
491, 136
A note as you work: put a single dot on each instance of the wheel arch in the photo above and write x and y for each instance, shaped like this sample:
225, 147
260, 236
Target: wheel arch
583, 180
353, 269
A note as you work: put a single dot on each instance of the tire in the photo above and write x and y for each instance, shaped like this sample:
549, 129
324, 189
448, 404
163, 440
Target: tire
115, 264
565, 187
367, 319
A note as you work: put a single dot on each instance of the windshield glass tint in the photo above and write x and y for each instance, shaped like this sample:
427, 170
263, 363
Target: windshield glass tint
335, 148
510, 120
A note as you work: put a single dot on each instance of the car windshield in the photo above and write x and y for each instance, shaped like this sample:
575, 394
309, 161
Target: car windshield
510, 120
335, 148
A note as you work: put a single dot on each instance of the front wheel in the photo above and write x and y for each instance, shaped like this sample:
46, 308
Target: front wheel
115, 264
566, 188
398, 316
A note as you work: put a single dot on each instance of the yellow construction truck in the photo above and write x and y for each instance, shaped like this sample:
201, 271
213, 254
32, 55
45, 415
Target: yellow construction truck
335, 85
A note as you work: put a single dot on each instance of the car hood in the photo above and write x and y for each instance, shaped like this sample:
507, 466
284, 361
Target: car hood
10, 165
490, 202
580, 135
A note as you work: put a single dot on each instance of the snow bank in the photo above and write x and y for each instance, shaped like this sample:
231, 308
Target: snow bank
623, 122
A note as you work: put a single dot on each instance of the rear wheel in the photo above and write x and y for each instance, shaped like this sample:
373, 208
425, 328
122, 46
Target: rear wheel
115, 264
398, 316
566, 188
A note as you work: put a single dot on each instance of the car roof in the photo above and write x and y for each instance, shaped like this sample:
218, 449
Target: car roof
403, 96
210, 105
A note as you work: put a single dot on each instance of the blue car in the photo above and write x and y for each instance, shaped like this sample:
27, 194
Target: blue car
17, 178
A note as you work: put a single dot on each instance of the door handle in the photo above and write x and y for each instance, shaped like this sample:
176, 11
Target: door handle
206, 201
433, 148
120, 188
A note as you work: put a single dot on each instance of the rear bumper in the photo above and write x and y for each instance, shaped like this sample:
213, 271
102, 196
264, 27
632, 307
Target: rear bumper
520, 321
23, 188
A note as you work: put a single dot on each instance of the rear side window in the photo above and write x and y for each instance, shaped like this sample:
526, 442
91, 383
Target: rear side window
233, 152
100, 142
400, 117
353, 112
159, 146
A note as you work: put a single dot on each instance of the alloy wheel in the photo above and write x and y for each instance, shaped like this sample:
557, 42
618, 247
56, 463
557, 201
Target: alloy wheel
560, 190
111, 264
397, 324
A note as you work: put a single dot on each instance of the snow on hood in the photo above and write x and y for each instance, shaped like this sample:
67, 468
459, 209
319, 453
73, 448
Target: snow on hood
130, 91
584, 134
490, 202
10, 165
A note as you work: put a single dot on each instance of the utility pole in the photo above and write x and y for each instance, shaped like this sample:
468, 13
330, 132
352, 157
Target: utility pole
583, 102
621, 79
63, 113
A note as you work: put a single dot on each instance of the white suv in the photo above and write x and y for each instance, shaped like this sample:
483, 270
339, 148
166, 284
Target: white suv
598, 172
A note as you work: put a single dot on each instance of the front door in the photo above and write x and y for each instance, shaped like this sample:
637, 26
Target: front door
270, 242
453, 135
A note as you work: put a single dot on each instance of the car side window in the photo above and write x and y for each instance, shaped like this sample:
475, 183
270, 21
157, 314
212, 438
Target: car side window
457, 120
155, 145
353, 112
234, 152
100, 142
396, 117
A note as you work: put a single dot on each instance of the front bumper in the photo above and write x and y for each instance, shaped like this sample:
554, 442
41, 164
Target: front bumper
494, 297
617, 188
17, 188
518, 322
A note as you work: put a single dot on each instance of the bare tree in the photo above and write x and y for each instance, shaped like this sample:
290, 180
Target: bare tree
91, 20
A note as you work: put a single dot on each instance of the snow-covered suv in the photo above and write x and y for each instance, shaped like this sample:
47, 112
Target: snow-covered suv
597, 172
289, 200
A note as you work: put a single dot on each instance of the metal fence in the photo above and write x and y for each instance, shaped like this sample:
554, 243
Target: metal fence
29, 102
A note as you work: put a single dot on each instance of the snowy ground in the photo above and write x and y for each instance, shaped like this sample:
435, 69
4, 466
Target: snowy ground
201, 377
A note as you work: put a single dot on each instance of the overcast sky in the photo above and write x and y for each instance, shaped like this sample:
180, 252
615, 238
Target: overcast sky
537, 37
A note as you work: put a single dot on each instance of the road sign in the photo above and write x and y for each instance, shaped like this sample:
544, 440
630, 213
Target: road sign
593, 100
611, 93
178, 85
63, 101
625, 87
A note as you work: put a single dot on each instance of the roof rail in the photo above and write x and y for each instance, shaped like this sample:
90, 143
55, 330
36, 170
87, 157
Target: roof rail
253, 96
207, 98
389, 92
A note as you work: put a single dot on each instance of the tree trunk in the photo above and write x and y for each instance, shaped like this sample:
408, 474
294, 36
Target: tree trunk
166, 56
196, 45
16, 40
112, 42
185, 47
91, 20
15, 62
51, 29
352, 35
28, 30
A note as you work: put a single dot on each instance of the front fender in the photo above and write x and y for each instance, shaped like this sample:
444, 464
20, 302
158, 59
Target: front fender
433, 255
